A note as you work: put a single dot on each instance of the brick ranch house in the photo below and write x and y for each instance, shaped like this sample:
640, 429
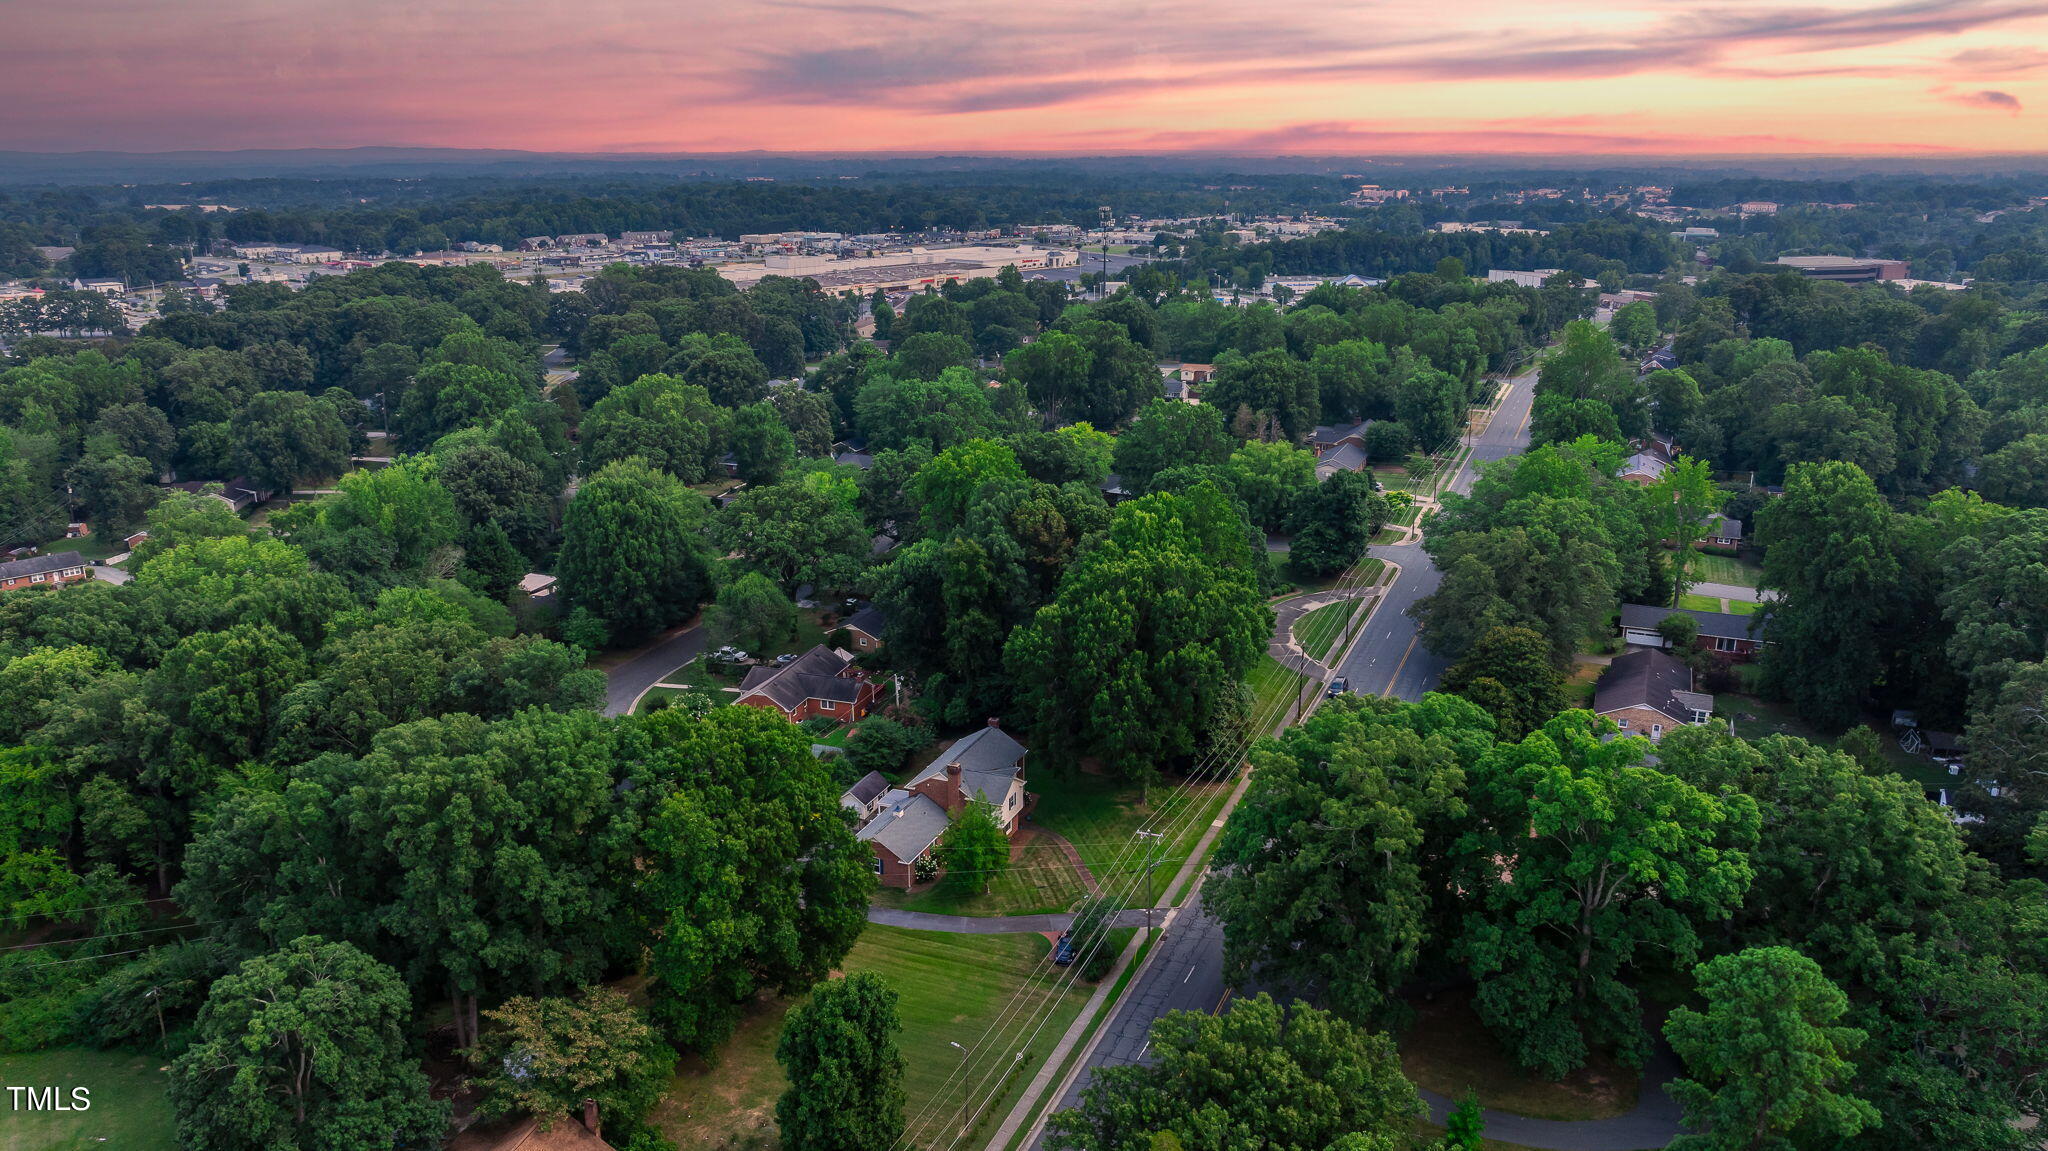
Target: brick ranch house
904, 823
1737, 638
36, 571
821, 681
1647, 692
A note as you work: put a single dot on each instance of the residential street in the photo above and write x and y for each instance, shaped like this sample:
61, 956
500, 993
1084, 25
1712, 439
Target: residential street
627, 682
1186, 972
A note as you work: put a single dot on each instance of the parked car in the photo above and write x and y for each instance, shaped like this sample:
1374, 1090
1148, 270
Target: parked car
1338, 686
849, 605
1063, 951
729, 654
785, 659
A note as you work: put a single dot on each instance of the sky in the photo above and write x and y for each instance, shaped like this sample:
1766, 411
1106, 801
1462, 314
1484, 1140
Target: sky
1310, 77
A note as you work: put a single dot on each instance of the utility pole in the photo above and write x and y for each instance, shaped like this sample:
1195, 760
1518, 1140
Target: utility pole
1151, 838
964, 1092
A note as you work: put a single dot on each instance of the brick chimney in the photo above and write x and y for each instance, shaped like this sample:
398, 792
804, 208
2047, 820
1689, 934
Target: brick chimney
590, 1120
996, 722
955, 799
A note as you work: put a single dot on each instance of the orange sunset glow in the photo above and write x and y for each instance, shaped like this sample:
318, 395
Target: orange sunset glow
1584, 76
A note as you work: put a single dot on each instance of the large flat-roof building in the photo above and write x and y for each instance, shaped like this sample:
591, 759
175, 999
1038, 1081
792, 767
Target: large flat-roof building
1846, 269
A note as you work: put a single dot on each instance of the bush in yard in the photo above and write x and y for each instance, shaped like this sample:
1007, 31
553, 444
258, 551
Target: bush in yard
883, 745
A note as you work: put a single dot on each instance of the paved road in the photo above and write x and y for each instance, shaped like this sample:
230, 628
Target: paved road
628, 681
1187, 970
1730, 591
1387, 658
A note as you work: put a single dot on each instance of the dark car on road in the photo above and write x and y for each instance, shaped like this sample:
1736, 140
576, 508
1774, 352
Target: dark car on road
1338, 686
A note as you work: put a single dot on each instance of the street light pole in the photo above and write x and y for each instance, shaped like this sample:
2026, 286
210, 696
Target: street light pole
963, 1084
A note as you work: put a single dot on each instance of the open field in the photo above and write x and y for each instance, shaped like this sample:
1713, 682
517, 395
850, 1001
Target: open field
953, 988
129, 1110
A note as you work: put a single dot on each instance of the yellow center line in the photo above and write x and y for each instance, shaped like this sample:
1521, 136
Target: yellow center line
1402, 664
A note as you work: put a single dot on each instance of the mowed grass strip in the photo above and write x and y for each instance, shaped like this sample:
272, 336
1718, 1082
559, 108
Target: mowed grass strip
1317, 631
129, 1108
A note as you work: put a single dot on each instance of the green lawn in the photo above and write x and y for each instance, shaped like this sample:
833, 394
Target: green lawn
1039, 879
1722, 569
1318, 630
1742, 607
129, 1111
1699, 602
1101, 817
954, 989
1273, 688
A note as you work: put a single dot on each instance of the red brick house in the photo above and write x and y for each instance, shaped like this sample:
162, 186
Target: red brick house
901, 833
819, 682
1648, 692
865, 627
1737, 638
986, 766
903, 823
41, 571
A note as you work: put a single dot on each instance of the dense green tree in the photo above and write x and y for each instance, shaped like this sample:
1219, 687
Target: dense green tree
1273, 480
752, 613
1355, 379
633, 549
445, 397
805, 530
1827, 548
1634, 326
671, 424
1324, 870
753, 879
1997, 599
385, 526
1430, 403
1508, 672
283, 436
111, 490
845, 1073
2018, 472
762, 448
1609, 858
1170, 434
974, 849
1335, 522
883, 744
1077, 453
808, 416
225, 689
545, 1056
1766, 1057
1149, 636
1054, 372
1268, 383
1684, 496
305, 1048
1258, 1077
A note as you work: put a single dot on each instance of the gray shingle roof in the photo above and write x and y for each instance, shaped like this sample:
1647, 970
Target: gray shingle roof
813, 675
41, 565
867, 789
1649, 677
1345, 457
1713, 624
1644, 464
989, 761
869, 619
907, 825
